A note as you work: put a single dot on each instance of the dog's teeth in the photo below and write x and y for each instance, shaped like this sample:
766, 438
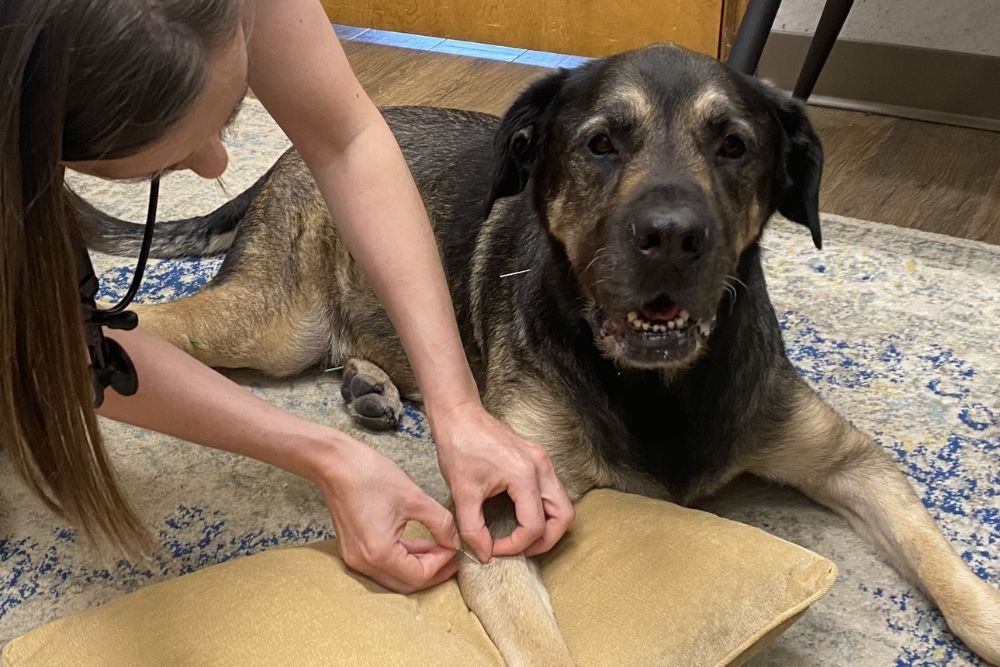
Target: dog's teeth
632, 316
684, 316
671, 324
659, 328
646, 326
636, 324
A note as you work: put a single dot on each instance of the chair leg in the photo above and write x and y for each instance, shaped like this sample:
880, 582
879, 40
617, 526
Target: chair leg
752, 35
834, 14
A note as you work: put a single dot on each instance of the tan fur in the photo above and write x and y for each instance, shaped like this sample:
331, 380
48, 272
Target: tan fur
479, 260
514, 608
569, 225
219, 328
636, 175
539, 411
755, 223
827, 459
637, 101
707, 103
712, 104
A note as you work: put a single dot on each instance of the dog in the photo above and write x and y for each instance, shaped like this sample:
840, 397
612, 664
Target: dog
601, 247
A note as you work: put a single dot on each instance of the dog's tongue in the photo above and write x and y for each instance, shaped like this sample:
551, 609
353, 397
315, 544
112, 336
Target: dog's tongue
660, 311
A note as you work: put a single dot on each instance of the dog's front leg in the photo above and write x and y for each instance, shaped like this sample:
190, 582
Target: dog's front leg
817, 451
508, 597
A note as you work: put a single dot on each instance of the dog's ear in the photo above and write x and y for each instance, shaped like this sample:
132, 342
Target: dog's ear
799, 164
520, 135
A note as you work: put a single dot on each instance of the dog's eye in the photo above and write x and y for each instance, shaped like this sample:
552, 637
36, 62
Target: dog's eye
732, 147
600, 144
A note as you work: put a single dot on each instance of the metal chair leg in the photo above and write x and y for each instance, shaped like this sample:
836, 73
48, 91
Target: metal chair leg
752, 35
834, 14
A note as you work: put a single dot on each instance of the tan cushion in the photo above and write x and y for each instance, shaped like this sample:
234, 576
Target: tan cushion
636, 582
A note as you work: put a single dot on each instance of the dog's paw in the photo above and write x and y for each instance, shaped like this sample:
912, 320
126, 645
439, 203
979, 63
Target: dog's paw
372, 398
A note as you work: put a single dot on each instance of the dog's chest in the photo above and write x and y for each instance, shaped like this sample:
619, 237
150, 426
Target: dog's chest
670, 431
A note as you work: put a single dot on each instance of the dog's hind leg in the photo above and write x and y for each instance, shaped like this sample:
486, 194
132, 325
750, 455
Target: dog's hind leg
269, 306
815, 450
226, 327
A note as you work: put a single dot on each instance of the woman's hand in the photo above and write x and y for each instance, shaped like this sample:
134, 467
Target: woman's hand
480, 457
371, 500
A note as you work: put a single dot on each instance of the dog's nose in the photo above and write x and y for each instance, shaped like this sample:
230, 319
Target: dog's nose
675, 236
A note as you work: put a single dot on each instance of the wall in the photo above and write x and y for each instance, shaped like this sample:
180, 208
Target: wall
967, 26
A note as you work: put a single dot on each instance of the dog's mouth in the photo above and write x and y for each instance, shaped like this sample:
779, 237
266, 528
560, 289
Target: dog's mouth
658, 334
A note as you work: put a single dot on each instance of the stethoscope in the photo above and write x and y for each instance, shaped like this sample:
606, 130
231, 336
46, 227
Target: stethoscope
110, 365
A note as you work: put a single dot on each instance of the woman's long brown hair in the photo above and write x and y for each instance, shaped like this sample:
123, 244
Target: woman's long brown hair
79, 80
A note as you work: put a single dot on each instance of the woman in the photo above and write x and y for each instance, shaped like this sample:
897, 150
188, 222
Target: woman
127, 88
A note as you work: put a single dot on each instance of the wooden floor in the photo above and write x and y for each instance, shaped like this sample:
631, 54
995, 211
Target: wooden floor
931, 177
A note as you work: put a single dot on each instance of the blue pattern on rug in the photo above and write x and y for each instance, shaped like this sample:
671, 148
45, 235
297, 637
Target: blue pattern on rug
192, 538
163, 280
946, 488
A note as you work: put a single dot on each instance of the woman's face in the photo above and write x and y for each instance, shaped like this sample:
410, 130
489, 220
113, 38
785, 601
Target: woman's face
195, 142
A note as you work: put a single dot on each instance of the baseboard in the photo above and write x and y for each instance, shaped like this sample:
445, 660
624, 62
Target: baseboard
925, 84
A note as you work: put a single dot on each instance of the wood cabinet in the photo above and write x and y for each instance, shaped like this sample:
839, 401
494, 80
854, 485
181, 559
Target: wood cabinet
578, 27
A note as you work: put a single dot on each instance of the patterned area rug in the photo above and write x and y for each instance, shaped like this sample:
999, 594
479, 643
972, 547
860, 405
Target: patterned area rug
897, 329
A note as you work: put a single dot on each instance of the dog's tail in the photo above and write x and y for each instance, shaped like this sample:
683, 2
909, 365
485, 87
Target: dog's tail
209, 234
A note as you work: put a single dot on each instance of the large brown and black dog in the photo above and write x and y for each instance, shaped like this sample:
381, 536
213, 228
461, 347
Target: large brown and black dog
636, 340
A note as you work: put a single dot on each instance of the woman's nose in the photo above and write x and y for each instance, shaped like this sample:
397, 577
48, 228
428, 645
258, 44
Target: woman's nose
210, 161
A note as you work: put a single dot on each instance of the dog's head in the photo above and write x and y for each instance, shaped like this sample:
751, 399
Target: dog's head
655, 170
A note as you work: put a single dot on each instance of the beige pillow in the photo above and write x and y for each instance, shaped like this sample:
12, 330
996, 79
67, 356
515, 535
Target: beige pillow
635, 582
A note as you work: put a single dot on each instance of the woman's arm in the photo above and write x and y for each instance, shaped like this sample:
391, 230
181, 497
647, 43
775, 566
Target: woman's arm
299, 72
370, 499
